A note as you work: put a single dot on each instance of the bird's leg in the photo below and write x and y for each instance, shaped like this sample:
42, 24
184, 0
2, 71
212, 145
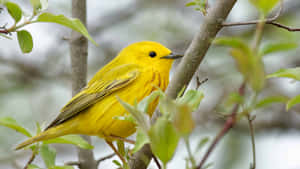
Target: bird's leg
116, 151
122, 139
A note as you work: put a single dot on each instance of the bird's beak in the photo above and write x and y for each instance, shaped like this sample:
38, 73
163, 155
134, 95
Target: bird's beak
172, 56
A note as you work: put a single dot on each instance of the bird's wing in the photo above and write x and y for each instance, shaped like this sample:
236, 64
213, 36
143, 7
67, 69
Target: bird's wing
114, 79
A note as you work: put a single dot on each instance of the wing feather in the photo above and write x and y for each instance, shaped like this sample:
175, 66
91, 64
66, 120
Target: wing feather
114, 79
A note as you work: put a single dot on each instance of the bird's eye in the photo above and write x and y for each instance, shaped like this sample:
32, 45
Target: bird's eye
152, 54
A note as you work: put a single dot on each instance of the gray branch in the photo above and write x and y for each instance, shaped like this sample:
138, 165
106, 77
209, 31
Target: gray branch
79, 51
194, 55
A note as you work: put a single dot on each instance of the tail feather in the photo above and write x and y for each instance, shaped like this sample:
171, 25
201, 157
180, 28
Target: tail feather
45, 135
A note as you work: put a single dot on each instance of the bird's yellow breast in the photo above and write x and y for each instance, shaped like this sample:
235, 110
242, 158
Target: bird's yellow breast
100, 120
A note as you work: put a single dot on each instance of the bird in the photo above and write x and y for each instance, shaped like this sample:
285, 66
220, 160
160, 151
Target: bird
138, 69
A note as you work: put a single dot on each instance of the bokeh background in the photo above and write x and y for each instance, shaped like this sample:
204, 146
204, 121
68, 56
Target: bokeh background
33, 87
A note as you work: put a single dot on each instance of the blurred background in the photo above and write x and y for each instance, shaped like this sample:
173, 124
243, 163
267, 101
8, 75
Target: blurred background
35, 86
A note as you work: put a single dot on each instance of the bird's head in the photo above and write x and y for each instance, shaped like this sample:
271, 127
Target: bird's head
148, 54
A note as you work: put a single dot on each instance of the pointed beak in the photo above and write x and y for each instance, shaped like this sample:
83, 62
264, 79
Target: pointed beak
172, 56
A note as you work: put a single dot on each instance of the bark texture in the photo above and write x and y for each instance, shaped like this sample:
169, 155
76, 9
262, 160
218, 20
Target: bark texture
79, 52
192, 58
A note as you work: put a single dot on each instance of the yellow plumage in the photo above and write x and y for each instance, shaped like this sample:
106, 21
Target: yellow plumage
132, 75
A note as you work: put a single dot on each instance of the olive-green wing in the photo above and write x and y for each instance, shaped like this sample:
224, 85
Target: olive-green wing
117, 78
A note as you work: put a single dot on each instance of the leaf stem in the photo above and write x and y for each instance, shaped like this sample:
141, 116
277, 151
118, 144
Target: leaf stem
258, 33
250, 120
188, 148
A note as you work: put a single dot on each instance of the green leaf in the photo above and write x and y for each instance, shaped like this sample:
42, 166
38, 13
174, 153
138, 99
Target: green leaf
62, 167
277, 47
141, 139
201, 5
25, 41
48, 154
234, 98
270, 100
248, 63
12, 123
232, 42
202, 143
292, 102
39, 5
117, 163
143, 105
264, 6
190, 3
33, 166
251, 67
14, 10
183, 120
72, 23
293, 73
121, 147
70, 139
141, 118
164, 139
192, 98
5, 36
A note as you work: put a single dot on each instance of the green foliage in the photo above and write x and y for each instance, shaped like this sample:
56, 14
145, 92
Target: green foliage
176, 122
234, 98
33, 166
24, 37
141, 139
48, 154
70, 139
12, 123
202, 143
25, 41
39, 5
293, 73
201, 5
270, 100
14, 10
141, 118
292, 102
277, 47
72, 23
163, 139
264, 6
249, 64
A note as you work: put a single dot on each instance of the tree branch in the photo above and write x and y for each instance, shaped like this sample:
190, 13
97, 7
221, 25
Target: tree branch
194, 55
270, 21
230, 122
79, 51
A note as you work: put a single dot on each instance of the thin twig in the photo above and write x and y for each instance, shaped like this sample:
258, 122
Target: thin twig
270, 21
122, 139
77, 163
156, 161
33, 155
250, 120
230, 122
105, 158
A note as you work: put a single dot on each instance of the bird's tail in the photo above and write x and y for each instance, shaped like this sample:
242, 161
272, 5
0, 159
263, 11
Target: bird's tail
45, 135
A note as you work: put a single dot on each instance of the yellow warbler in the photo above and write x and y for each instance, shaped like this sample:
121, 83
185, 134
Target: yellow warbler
132, 75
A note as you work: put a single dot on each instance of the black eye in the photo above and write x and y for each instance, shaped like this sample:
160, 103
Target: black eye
152, 54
